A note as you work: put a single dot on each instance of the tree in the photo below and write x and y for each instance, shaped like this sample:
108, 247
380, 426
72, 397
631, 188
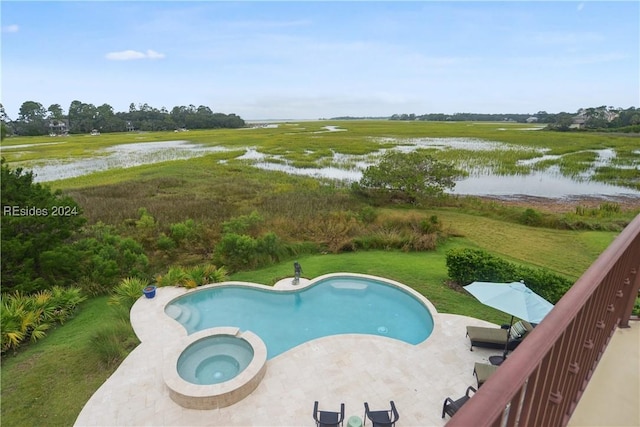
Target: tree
4, 129
409, 176
31, 119
34, 220
55, 112
82, 117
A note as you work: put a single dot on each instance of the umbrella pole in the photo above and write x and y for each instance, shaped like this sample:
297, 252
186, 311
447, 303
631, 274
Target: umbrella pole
497, 360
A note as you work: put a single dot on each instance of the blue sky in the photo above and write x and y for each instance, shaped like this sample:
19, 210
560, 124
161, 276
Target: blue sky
307, 60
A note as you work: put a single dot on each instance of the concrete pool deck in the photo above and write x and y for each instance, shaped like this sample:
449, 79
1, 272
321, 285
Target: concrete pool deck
350, 369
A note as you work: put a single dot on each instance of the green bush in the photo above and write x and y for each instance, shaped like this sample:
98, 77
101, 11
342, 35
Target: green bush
244, 224
192, 277
470, 265
35, 220
128, 291
166, 243
101, 259
114, 341
530, 217
186, 231
28, 317
237, 251
367, 215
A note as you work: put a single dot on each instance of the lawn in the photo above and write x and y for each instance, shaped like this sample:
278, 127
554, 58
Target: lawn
48, 383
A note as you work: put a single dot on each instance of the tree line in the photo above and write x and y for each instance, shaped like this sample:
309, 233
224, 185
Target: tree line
594, 118
34, 119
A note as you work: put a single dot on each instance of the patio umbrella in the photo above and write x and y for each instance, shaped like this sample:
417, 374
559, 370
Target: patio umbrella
513, 298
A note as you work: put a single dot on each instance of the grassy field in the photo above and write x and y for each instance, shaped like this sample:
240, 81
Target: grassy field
47, 383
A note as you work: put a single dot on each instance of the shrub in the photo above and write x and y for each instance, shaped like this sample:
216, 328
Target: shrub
165, 243
114, 341
128, 291
174, 277
367, 215
99, 260
28, 317
244, 224
192, 277
237, 251
530, 217
37, 226
470, 265
184, 231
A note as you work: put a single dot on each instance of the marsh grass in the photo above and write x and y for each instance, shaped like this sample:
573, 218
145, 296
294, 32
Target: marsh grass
303, 147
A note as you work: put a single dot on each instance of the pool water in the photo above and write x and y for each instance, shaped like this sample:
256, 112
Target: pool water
285, 319
214, 359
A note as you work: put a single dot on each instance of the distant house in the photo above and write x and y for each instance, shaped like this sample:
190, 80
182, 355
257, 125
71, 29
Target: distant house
532, 119
130, 127
95, 132
58, 127
580, 120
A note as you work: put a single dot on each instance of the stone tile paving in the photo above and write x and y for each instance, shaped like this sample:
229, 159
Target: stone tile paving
349, 369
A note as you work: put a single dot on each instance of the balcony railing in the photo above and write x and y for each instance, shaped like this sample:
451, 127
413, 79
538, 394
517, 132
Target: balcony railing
542, 381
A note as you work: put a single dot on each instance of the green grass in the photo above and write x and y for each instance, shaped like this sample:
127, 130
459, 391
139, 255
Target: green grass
562, 251
48, 383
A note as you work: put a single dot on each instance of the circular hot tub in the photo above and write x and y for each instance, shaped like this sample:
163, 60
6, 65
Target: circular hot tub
215, 368
214, 359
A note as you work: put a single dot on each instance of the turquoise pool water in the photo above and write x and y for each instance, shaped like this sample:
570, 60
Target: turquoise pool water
283, 320
214, 360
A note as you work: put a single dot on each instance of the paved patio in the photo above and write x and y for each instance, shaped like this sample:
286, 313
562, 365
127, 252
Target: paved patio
349, 369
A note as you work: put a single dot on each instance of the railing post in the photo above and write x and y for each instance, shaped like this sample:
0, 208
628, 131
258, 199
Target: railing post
634, 283
543, 380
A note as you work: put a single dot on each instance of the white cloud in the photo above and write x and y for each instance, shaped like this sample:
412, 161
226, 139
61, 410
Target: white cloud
127, 55
580, 7
10, 28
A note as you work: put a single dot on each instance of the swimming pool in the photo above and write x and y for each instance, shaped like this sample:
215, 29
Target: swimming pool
284, 319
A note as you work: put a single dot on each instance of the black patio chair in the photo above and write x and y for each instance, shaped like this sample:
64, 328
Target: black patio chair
450, 406
385, 418
327, 418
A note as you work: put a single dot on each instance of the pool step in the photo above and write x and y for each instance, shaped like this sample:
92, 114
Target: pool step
185, 315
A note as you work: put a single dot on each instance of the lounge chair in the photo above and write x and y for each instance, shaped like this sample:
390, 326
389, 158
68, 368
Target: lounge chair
386, 418
327, 418
451, 406
497, 337
483, 371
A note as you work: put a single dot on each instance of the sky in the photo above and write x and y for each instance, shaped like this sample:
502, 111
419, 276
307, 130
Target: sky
309, 60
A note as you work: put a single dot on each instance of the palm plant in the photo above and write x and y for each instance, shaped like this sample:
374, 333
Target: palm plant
214, 274
174, 277
127, 292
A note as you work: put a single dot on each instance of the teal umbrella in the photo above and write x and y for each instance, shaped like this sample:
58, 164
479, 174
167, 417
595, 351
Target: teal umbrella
513, 298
